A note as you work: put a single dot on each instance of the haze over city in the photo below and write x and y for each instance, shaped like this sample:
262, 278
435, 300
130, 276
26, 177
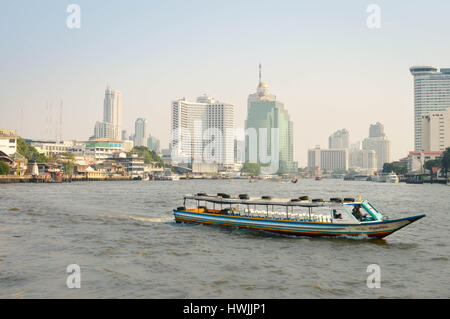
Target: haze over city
320, 59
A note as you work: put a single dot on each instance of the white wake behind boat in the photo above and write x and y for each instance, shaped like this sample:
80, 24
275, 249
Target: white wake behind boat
300, 216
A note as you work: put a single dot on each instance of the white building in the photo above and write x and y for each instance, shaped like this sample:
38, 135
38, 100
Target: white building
431, 94
102, 149
51, 147
416, 159
111, 127
382, 148
8, 142
103, 130
112, 111
140, 132
363, 160
339, 139
328, 159
202, 131
436, 131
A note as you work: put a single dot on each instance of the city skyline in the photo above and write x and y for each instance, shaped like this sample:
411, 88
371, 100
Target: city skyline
371, 81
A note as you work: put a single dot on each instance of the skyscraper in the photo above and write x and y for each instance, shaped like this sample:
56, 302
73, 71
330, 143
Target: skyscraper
339, 139
269, 130
112, 111
111, 127
380, 144
203, 130
140, 132
431, 94
376, 130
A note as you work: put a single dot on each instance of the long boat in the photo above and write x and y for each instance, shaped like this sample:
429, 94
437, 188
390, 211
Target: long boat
299, 216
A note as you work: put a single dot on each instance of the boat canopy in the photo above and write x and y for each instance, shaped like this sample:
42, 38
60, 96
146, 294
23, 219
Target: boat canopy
259, 201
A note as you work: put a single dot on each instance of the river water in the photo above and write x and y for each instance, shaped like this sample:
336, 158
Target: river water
127, 245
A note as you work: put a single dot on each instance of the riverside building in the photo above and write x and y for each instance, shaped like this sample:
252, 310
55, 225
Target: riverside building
436, 131
431, 94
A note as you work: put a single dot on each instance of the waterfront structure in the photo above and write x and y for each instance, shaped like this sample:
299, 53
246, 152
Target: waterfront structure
436, 131
101, 149
111, 127
431, 94
327, 159
339, 139
202, 131
51, 147
272, 137
8, 142
417, 159
378, 142
134, 165
140, 132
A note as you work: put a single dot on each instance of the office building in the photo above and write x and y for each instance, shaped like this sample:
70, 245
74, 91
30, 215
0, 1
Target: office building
202, 131
378, 143
436, 131
327, 159
140, 132
111, 127
269, 131
431, 94
339, 139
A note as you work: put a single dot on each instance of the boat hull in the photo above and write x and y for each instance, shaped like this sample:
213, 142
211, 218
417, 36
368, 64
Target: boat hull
301, 228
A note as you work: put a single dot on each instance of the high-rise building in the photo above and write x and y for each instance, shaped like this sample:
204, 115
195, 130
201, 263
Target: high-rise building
111, 127
124, 135
112, 111
153, 144
363, 159
269, 131
376, 130
339, 139
103, 130
328, 159
436, 131
140, 132
202, 131
431, 94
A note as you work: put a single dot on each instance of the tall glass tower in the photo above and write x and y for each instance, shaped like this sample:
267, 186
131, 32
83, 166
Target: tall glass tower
268, 130
431, 94
112, 112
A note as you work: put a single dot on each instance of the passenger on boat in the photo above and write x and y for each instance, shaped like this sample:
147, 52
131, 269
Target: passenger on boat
336, 214
357, 213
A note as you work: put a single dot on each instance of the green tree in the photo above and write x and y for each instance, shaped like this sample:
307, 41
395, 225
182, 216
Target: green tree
4, 168
445, 162
30, 152
150, 157
395, 167
432, 163
69, 167
251, 168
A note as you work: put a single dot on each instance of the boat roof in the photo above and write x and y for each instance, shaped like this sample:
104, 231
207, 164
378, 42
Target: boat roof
259, 201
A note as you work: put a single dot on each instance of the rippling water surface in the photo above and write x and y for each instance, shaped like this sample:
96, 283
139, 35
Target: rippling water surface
124, 238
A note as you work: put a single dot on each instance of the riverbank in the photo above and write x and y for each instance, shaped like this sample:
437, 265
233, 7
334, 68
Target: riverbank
10, 179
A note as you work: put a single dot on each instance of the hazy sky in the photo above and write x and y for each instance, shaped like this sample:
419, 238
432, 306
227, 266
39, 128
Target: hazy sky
319, 57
